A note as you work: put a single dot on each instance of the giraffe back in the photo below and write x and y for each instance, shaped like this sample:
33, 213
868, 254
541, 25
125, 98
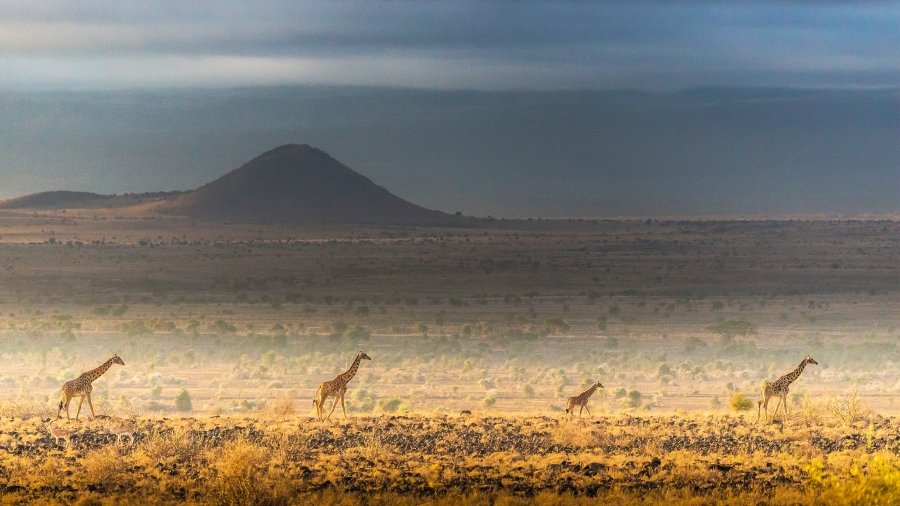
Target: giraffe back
77, 386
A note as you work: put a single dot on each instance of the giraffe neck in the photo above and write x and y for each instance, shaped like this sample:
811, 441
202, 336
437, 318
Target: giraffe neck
96, 373
590, 391
347, 376
792, 376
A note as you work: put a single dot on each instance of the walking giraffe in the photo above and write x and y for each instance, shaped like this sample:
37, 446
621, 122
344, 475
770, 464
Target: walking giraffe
81, 387
337, 387
779, 388
581, 400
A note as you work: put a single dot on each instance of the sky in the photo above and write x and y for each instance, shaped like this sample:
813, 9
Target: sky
504, 108
458, 44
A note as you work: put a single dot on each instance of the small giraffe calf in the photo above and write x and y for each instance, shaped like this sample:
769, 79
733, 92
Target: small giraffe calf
581, 400
122, 429
60, 433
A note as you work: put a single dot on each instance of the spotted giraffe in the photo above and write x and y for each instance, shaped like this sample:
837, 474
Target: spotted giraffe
581, 400
81, 387
779, 388
337, 388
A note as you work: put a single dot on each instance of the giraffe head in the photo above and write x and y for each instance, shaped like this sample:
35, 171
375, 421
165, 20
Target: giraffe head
809, 360
599, 385
364, 356
116, 360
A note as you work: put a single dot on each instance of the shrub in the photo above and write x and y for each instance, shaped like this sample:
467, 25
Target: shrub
23, 408
848, 408
356, 333
183, 401
556, 325
283, 407
339, 328
730, 328
740, 402
104, 467
390, 405
239, 478
222, 327
634, 399
692, 344
169, 445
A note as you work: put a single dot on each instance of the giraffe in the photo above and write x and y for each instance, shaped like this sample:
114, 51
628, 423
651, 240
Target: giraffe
81, 387
337, 387
582, 400
779, 388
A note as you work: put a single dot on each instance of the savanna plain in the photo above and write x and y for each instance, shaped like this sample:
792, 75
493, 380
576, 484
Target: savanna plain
477, 336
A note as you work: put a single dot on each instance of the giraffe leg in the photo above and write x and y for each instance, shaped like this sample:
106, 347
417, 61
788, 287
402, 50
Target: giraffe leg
80, 401
321, 407
588, 410
766, 409
91, 405
580, 410
332, 407
778, 405
343, 408
785, 407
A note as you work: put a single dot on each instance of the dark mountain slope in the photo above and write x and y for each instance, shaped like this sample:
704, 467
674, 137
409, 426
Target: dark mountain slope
299, 183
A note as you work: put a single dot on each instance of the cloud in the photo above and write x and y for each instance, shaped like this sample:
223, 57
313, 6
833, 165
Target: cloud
474, 44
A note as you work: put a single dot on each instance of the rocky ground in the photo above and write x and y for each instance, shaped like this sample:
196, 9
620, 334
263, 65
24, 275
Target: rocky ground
280, 460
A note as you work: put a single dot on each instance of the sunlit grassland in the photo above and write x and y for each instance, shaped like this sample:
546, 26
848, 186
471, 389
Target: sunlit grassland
681, 321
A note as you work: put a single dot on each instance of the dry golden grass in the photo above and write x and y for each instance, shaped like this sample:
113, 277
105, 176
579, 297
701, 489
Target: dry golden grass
512, 460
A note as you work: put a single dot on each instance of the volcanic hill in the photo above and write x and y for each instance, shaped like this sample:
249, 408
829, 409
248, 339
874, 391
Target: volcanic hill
299, 183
